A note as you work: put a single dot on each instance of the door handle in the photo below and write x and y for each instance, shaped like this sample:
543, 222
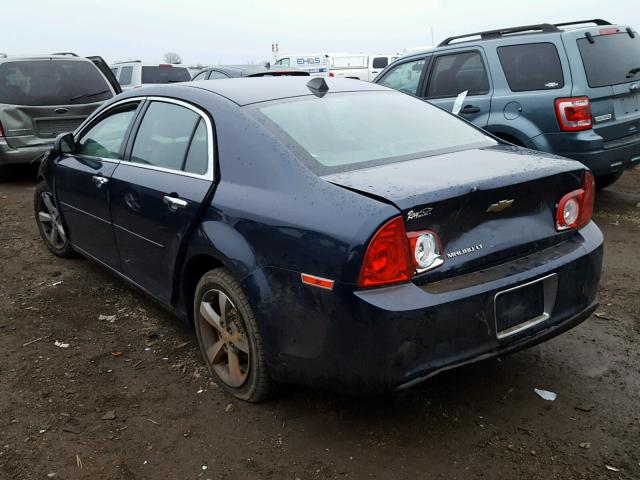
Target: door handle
470, 109
174, 203
99, 180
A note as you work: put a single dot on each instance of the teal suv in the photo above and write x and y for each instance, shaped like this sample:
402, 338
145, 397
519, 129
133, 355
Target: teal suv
571, 89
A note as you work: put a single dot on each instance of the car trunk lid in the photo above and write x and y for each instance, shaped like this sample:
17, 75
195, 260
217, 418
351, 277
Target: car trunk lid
487, 205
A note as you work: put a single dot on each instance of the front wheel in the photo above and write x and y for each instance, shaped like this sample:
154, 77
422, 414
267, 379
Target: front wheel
228, 336
49, 222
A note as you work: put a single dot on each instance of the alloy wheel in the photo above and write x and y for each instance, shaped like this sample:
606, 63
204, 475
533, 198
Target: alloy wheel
49, 219
224, 338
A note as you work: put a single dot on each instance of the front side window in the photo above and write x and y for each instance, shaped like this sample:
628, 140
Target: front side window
52, 82
125, 75
164, 136
535, 66
380, 62
105, 139
348, 131
215, 75
453, 74
404, 77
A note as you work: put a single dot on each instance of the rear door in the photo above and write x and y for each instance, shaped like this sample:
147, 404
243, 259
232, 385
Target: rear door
158, 191
42, 98
610, 77
453, 73
82, 182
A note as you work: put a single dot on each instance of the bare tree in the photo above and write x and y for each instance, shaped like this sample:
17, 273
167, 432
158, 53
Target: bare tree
172, 57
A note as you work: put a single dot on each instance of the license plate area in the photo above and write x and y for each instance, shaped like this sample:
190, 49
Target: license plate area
522, 307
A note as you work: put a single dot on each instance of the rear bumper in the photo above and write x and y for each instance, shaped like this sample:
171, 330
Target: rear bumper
370, 341
602, 158
25, 155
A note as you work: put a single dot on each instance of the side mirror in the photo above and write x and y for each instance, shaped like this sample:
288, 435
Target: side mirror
64, 143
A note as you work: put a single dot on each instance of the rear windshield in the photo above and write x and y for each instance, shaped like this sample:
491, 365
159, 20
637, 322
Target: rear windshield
348, 131
52, 82
165, 74
611, 59
535, 66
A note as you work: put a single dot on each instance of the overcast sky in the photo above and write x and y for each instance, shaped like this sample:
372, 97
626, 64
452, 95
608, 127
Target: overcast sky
238, 31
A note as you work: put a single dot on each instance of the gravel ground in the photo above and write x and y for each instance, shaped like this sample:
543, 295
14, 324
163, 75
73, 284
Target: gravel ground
129, 397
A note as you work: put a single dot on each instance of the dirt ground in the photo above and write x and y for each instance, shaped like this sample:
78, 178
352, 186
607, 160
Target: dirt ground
129, 397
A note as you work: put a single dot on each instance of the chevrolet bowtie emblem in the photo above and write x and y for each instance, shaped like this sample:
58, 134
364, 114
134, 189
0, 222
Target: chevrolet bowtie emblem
500, 206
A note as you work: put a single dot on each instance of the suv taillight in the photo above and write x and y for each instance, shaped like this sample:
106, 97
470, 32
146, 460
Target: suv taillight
1, 131
576, 208
393, 256
574, 114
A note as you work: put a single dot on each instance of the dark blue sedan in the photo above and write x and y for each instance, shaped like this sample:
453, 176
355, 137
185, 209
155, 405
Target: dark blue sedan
333, 233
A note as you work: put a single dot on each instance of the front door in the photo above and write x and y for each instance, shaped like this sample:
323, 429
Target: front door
454, 73
158, 191
82, 183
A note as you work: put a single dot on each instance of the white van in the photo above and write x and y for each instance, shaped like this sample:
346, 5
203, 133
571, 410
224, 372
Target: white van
359, 65
317, 64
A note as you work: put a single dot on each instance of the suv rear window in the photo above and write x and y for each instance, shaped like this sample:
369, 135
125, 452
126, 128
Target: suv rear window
52, 82
165, 74
610, 59
535, 66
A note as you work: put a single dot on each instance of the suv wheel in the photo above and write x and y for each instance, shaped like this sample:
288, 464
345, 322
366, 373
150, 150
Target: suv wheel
603, 181
49, 222
228, 336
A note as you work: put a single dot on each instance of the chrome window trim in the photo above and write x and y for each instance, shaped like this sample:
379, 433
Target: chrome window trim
208, 175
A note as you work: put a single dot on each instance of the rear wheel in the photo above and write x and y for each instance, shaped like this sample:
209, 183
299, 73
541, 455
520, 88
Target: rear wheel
603, 181
49, 222
228, 336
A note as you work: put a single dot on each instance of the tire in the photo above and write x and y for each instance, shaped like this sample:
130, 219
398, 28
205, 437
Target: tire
229, 339
603, 181
49, 222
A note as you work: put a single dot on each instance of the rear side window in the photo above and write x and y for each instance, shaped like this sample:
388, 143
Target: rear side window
125, 75
611, 59
380, 62
105, 138
165, 74
52, 82
404, 77
535, 66
453, 74
164, 135
200, 76
198, 157
217, 75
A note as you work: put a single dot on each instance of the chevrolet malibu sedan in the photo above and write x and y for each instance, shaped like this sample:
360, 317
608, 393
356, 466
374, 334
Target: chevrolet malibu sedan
330, 233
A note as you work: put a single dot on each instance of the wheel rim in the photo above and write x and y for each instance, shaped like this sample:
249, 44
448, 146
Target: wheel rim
49, 220
224, 339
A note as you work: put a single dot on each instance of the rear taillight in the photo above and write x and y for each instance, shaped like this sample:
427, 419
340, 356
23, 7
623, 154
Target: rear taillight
331, 74
1, 131
574, 114
575, 209
609, 31
393, 256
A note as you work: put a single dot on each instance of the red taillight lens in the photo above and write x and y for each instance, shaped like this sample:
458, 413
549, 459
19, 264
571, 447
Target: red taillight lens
1, 131
574, 114
575, 209
387, 258
331, 74
609, 31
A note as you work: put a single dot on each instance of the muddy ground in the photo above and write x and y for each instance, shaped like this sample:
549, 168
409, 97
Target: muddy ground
130, 399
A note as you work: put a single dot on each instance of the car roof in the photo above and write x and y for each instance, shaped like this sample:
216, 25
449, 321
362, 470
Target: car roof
244, 91
22, 58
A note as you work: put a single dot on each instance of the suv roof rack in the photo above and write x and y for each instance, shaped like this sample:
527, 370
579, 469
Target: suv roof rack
66, 54
539, 28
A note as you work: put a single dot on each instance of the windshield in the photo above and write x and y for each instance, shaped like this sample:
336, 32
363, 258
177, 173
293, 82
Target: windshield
52, 82
610, 59
165, 74
348, 131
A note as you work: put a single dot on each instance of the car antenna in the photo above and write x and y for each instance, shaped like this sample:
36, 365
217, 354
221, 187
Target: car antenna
318, 86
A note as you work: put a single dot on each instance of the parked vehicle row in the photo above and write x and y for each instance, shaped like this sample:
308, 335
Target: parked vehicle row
43, 96
571, 89
236, 71
303, 226
357, 66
